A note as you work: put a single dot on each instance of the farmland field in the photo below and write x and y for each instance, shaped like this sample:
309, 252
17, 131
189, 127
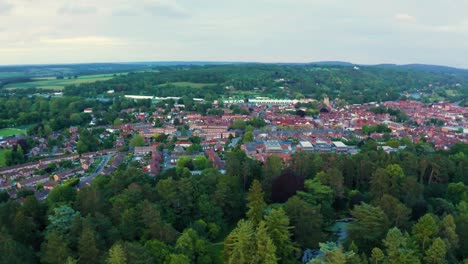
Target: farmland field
58, 84
11, 74
188, 84
6, 132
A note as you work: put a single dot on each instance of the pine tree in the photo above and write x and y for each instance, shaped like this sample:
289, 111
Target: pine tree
265, 250
371, 227
332, 254
377, 256
117, 255
424, 230
435, 254
448, 232
239, 246
398, 248
87, 248
277, 223
54, 249
71, 260
256, 203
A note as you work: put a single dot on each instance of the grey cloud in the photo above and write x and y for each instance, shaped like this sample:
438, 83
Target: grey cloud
73, 9
156, 8
165, 8
5, 8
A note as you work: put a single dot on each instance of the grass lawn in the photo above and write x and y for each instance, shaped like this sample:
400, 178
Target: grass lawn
2, 157
6, 132
55, 84
188, 84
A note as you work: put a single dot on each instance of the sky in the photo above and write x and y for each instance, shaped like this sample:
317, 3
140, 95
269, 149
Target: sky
358, 31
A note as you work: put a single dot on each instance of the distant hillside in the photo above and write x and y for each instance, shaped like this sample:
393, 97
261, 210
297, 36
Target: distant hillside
364, 84
55, 70
425, 67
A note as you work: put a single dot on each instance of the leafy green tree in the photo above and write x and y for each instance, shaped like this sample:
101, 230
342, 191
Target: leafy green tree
377, 256
89, 201
87, 142
158, 250
71, 260
279, 229
178, 259
386, 181
117, 255
199, 163
457, 192
13, 251
61, 195
256, 203
229, 197
318, 194
397, 213
462, 228
399, 249
271, 170
54, 249
435, 254
448, 232
193, 246
424, 230
61, 220
137, 141
333, 178
332, 254
248, 136
24, 229
369, 229
238, 124
307, 221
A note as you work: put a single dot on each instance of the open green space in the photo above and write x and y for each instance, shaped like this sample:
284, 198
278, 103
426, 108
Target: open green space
2, 157
11, 74
6, 132
59, 84
188, 84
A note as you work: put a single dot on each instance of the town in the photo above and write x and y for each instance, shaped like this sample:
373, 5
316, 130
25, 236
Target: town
161, 139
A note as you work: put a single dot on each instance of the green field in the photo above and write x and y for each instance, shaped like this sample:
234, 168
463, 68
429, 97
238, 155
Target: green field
188, 84
2, 157
55, 84
6, 132
11, 74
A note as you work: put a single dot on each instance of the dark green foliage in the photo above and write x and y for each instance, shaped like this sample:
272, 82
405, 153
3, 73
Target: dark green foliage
401, 214
369, 229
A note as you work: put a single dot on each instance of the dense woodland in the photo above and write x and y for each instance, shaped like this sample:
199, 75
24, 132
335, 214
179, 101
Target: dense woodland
62, 112
410, 207
355, 86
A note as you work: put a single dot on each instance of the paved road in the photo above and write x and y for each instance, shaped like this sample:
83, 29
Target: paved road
86, 180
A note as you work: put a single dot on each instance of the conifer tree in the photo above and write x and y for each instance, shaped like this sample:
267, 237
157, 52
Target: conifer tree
117, 255
54, 249
435, 254
256, 203
277, 223
265, 249
424, 230
239, 246
87, 248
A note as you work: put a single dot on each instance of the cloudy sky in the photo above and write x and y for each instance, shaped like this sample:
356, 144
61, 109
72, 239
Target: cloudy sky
359, 31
